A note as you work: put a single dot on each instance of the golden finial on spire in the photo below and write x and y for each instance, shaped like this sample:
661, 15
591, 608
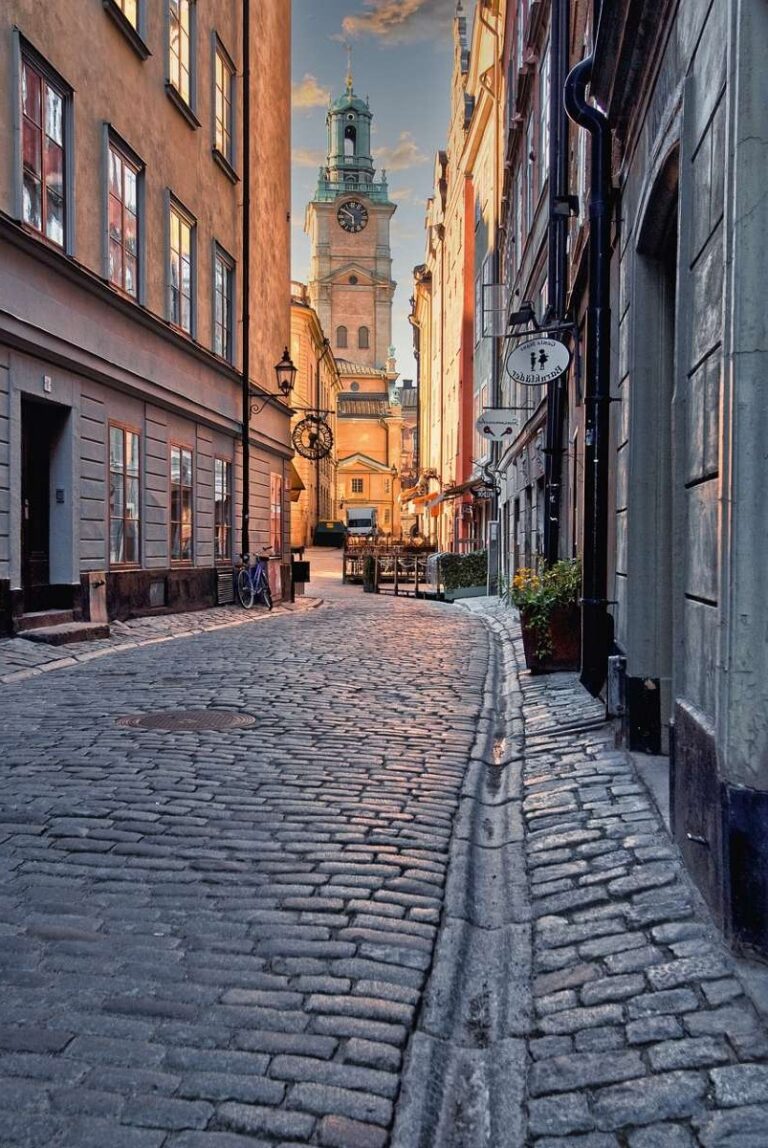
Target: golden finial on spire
349, 68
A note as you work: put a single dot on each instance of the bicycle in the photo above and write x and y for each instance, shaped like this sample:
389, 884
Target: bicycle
253, 581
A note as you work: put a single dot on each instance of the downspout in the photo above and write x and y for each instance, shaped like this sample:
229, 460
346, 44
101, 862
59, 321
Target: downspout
557, 272
246, 309
596, 623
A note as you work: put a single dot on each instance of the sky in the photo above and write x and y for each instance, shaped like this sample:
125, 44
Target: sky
402, 54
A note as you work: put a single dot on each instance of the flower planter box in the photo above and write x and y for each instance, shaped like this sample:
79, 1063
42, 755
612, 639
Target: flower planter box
565, 639
465, 592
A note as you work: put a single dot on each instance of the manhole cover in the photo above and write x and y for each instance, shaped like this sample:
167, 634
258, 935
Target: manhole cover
188, 719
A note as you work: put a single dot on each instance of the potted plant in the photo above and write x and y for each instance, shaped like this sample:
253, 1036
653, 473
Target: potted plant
549, 615
464, 575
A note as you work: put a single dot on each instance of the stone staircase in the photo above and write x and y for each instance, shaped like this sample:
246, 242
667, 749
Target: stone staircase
58, 628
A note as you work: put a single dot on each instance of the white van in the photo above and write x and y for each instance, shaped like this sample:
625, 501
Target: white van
361, 520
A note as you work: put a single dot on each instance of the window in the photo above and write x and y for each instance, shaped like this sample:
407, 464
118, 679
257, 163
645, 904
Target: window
223, 292
387, 516
180, 48
362, 339
544, 81
224, 83
276, 513
43, 105
181, 504
387, 485
529, 173
357, 486
124, 512
181, 269
123, 215
222, 508
130, 9
341, 336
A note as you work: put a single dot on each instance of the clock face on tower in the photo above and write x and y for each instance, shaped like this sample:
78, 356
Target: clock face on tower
352, 215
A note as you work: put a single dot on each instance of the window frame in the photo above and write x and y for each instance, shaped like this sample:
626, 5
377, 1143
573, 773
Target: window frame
175, 206
112, 141
183, 449
226, 526
342, 345
221, 255
357, 486
26, 54
125, 429
363, 346
135, 34
187, 105
226, 160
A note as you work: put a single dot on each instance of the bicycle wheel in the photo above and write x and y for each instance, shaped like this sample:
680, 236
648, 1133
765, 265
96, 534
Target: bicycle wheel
245, 589
266, 594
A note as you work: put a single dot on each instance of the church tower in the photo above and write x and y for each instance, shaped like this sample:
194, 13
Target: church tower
348, 222
351, 289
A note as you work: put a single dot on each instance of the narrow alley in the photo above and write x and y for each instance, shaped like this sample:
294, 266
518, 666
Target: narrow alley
345, 876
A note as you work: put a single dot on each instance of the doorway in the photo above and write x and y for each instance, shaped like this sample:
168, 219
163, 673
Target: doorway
648, 638
41, 427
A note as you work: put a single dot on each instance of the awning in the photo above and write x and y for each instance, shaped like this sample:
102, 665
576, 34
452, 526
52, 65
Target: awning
410, 493
295, 485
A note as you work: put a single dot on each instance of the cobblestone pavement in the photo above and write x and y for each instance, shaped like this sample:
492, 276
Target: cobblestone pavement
218, 939
20, 658
422, 901
626, 1015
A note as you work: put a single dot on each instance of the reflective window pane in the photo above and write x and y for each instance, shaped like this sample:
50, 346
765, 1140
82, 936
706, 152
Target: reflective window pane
54, 115
31, 93
32, 140
33, 200
131, 545
54, 219
116, 454
132, 453
116, 540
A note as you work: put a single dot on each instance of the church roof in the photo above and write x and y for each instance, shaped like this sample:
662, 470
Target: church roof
348, 368
362, 406
350, 100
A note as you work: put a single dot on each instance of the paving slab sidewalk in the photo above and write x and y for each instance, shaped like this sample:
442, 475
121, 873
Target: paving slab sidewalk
580, 994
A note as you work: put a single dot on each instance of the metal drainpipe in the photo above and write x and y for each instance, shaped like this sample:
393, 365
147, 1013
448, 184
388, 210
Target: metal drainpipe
246, 509
557, 272
596, 622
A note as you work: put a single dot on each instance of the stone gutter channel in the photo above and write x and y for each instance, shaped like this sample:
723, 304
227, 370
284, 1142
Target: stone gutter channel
579, 994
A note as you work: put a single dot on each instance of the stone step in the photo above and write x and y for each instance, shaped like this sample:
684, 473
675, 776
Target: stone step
39, 618
67, 633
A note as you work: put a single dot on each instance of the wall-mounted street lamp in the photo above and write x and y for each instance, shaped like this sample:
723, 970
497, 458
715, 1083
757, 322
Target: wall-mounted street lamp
285, 372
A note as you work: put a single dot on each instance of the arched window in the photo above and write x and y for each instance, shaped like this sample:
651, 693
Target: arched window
362, 339
341, 336
350, 141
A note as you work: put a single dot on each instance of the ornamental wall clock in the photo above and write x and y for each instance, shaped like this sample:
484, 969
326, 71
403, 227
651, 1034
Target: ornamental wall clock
312, 437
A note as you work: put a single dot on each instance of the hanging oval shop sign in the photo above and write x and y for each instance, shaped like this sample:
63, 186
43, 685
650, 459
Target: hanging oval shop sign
538, 361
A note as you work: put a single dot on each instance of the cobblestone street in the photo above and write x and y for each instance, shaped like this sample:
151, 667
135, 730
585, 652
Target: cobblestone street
419, 900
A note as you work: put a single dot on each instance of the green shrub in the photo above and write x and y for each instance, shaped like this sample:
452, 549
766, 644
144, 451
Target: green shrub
462, 570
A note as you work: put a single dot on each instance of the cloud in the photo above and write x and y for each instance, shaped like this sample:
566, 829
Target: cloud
395, 21
406, 153
307, 157
307, 93
402, 195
